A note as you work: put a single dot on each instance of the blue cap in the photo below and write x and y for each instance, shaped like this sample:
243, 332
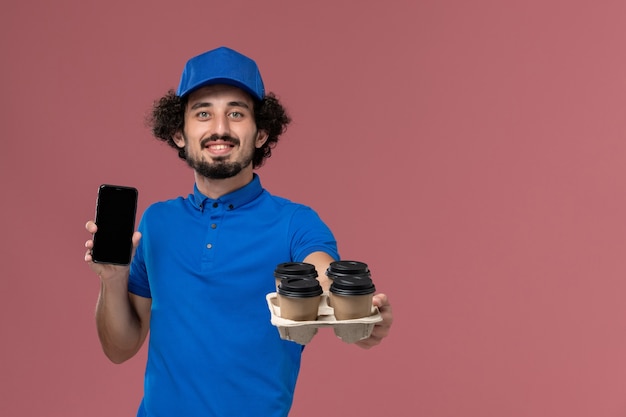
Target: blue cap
222, 66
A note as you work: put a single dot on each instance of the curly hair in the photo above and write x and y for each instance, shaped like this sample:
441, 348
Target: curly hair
168, 117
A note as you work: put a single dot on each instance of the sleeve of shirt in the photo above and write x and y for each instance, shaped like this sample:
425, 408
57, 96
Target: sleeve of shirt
310, 234
138, 283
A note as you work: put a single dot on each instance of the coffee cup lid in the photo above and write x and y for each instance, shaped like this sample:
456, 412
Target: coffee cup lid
295, 269
352, 286
299, 287
340, 269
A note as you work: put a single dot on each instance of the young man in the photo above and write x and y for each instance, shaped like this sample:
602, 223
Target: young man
203, 264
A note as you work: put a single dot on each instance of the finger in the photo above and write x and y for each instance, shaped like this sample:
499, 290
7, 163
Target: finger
381, 330
363, 345
370, 342
91, 226
136, 239
380, 300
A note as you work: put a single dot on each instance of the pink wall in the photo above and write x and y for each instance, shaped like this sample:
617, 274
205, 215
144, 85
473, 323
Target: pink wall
472, 153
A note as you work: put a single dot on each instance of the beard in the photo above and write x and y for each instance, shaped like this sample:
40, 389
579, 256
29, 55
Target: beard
219, 167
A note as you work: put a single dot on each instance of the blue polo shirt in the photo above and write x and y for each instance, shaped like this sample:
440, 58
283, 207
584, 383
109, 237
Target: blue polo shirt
208, 265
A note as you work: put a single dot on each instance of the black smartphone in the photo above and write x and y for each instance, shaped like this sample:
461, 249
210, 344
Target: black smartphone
116, 208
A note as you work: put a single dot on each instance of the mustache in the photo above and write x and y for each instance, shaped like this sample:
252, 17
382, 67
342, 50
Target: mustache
224, 138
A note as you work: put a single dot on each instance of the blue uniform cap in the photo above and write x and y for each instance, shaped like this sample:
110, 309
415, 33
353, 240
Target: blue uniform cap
222, 66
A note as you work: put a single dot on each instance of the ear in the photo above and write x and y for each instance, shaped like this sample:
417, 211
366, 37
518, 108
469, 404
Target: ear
261, 138
178, 139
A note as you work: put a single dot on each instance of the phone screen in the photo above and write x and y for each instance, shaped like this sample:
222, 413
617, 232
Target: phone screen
115, 217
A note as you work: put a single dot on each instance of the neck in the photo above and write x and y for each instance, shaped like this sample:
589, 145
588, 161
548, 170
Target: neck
214, 189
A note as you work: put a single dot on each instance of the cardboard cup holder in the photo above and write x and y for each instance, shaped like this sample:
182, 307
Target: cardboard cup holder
350, 331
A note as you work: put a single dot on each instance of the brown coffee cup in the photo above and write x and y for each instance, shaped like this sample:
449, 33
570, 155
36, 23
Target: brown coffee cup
340, 269
299, 298
294, 270
351, 297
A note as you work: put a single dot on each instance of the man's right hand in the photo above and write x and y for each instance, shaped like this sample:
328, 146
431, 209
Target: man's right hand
107, 271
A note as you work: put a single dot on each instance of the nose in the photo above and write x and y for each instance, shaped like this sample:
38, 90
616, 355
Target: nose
221, 125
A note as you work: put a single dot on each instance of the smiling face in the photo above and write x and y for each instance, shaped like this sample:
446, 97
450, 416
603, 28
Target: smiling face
220, 134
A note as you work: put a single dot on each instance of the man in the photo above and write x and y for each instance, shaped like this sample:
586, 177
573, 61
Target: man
203, 264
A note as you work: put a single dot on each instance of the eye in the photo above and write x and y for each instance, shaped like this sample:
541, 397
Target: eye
236, 115
202, 115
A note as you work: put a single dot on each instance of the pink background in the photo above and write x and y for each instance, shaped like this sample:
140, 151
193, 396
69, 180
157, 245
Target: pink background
472, 152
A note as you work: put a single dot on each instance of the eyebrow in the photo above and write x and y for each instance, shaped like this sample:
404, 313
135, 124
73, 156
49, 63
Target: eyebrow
201, 104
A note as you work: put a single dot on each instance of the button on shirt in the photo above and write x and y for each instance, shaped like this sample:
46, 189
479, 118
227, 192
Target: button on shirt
208, 265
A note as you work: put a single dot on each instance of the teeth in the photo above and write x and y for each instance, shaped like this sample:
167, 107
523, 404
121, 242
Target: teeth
219, 147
